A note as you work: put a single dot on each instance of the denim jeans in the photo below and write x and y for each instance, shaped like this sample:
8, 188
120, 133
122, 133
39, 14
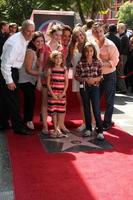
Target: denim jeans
91, 94
108, 87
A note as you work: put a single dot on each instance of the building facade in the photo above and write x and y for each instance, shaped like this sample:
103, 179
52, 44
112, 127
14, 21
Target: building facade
110, 17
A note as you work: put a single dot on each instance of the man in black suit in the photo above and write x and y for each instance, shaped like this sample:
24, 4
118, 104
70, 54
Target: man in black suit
4, 34
121, 29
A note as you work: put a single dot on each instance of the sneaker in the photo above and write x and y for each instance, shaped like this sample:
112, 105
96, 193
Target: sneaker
81, 128
87, 133
106, 127
30, 125
100, 136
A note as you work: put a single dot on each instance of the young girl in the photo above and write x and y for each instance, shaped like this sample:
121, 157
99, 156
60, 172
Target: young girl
57, 82
89, 74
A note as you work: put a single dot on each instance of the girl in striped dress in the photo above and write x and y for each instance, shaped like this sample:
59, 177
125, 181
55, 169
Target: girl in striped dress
57, 82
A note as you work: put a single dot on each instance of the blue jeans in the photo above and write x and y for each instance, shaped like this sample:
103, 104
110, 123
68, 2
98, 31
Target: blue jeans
91, 94
108, 87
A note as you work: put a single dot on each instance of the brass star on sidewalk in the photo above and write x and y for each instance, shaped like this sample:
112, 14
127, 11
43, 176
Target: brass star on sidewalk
72, 141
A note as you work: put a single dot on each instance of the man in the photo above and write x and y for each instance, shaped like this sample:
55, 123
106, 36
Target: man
13, 28
111, 35
109, 55
121, 29
4, 34
11, 61
89, 24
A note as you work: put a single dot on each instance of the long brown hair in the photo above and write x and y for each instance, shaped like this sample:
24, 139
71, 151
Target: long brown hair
87, 45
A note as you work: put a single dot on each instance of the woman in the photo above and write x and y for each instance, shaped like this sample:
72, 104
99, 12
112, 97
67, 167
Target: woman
28, 76
55, 34
54, 43
76, 47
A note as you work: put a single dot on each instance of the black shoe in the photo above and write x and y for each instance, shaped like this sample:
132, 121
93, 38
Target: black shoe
4, 127
41, 118
121, 92
107, 126
23, 131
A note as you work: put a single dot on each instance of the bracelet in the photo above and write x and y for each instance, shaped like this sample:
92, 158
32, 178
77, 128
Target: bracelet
102, 77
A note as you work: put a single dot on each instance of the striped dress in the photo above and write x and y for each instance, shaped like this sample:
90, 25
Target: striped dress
57, 82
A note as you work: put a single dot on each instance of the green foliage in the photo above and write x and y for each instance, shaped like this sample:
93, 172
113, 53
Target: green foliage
18, 10
99, 6
125, 14
3, 13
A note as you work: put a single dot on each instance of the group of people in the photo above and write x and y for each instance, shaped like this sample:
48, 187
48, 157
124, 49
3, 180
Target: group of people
28, 62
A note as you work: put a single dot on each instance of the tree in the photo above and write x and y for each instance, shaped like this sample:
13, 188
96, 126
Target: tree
18, 10
125, 14
89, 8
3, 14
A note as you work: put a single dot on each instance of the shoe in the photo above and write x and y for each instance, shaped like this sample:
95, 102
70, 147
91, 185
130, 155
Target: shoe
60, 134
100, 136
87, 133
65, 130
41, 118
81, 128
106, 127
23, 131
30, 125
123, 92
45, 132
4, 127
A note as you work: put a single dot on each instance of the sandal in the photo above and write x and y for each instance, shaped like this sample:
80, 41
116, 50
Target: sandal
53, 135
65, 130
59, 133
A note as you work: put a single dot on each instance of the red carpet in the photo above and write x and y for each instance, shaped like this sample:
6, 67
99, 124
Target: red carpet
95, 175
92, 175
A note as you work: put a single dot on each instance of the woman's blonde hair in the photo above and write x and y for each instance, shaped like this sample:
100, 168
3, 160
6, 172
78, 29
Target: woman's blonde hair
73, 43
53, 29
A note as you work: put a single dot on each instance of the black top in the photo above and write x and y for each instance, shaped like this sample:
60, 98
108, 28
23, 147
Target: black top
124, 44
3, 38
115, 39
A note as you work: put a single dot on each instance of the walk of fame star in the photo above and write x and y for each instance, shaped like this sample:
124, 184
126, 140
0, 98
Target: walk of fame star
73, 143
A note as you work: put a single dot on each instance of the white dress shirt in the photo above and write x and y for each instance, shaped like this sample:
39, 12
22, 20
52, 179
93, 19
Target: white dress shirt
13, 55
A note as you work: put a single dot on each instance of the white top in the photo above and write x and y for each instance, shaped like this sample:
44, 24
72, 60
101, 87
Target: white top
75, 59
13, 55
89, 34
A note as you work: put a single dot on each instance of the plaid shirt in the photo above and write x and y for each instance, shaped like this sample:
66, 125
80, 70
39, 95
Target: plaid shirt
85, 70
